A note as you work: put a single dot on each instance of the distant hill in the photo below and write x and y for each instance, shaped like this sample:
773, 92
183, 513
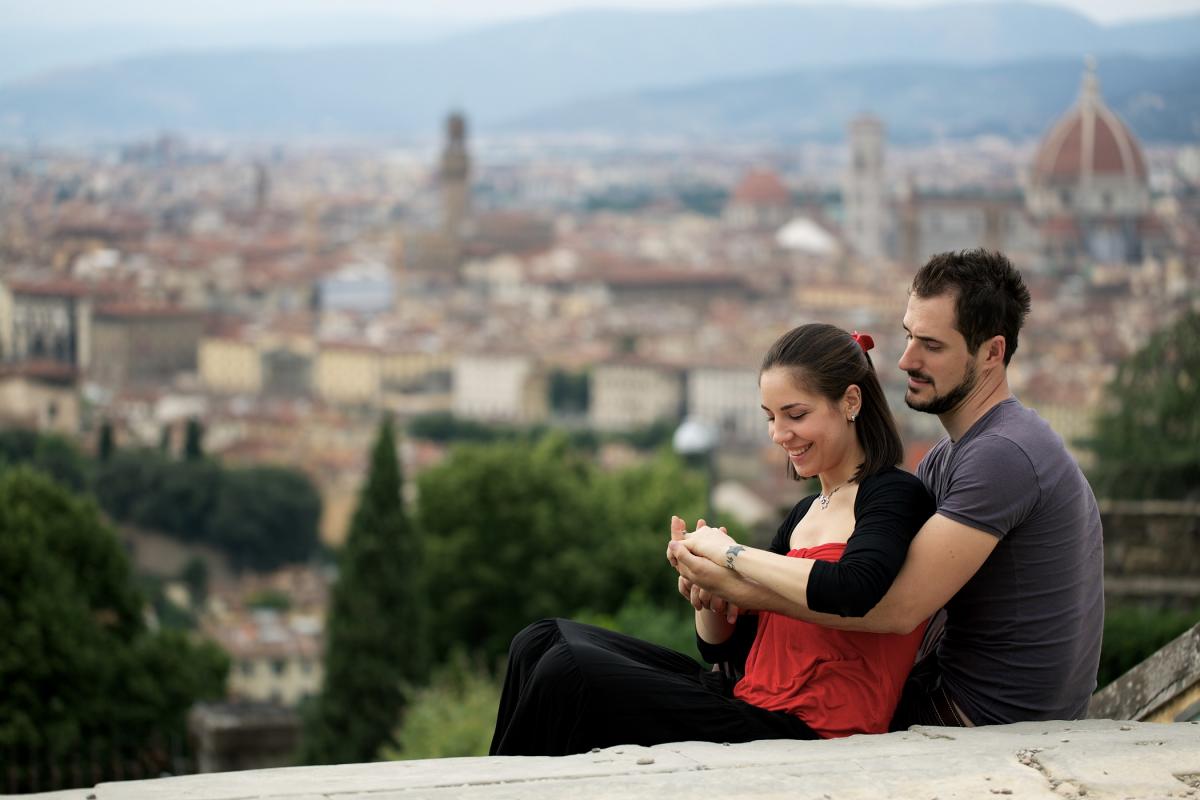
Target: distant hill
541, 69
1159, 99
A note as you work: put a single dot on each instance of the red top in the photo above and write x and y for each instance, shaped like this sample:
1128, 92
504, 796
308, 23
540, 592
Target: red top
838, 682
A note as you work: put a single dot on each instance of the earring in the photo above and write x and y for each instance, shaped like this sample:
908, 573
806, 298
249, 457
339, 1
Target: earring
853, 417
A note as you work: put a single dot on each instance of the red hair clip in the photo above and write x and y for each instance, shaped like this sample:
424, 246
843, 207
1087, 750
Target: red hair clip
864, 340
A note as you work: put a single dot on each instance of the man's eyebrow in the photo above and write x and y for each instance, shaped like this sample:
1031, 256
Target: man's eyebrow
932, 339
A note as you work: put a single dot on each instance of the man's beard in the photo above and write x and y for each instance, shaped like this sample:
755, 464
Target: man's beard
942, 403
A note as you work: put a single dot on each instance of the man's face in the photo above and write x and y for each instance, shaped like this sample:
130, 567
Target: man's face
941, 372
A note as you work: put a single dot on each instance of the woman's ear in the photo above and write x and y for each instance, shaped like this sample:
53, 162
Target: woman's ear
852, 401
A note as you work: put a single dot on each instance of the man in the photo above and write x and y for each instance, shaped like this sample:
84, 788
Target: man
1014, 551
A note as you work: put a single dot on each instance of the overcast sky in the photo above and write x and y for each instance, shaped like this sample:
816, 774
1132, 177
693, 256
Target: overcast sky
54, 13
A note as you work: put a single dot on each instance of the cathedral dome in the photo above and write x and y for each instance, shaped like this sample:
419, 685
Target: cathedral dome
1090, 165
761, 187
1089, 140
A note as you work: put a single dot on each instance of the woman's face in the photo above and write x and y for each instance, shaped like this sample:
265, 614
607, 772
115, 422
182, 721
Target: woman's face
815, 433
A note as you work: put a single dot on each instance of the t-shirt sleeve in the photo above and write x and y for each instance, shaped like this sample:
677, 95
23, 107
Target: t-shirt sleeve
889, 511
993, 487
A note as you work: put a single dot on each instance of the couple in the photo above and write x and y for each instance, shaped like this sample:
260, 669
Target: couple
999, 528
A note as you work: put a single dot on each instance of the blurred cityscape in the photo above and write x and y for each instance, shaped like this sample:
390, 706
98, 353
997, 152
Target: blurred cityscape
285, 296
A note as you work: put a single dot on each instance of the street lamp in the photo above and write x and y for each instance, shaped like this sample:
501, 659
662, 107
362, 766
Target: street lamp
696, 440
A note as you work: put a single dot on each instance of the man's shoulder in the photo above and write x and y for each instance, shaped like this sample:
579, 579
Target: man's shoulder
1018, 427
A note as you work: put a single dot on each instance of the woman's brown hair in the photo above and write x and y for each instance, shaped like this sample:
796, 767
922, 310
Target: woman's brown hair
826, 360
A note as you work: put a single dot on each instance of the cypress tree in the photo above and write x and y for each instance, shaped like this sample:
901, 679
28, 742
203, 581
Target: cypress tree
193, 443
375, 638
104, 449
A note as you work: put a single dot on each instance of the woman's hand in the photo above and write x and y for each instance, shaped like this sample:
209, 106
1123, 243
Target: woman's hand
700, 598
711, 543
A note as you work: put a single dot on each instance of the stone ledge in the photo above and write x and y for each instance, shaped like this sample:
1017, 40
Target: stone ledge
1158, 688
1088, 758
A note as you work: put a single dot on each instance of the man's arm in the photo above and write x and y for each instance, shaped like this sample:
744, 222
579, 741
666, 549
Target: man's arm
942, 558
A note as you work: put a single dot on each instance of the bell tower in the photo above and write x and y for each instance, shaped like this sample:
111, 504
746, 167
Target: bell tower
455, 177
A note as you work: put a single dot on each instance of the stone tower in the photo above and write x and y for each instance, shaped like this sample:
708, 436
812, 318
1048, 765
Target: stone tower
864, 188
262, 187
455, 177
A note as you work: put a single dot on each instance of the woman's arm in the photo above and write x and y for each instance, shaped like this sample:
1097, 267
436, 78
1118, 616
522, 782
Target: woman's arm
781, 575
888, 512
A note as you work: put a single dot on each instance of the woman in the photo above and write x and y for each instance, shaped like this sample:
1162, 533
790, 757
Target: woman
572, 687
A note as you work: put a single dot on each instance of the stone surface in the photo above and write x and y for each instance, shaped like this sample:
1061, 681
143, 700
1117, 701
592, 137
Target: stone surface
1084, 759
1158, 688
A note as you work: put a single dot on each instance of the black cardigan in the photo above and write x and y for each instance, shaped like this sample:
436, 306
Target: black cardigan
891, 506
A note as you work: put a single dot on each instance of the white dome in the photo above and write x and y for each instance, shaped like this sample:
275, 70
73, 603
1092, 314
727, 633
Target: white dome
806, 236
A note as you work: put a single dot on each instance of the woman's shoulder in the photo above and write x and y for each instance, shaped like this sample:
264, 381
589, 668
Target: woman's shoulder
891, 483
897, 495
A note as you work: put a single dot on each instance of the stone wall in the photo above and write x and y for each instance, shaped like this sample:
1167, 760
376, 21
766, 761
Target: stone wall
1152, 552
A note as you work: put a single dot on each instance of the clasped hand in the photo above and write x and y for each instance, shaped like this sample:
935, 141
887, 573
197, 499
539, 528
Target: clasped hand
705, 542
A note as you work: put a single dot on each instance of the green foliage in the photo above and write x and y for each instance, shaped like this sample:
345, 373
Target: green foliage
193, 443
1132, 634
1147, 443
445, 427
624, 199
516, 532
569, 391
454, 715
376, 625
264, 517
78, 668
671, 625
706, 199
125, 479
272, 599
195, 576
261, 517
105, 444
183, 499
167, 614
51, 454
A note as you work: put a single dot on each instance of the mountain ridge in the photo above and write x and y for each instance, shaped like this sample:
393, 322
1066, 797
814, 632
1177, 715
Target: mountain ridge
522, 70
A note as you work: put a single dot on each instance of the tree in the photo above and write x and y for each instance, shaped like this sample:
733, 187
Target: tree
51, 454
375, 650
264, 517
105, 444
516, 533
193, 442
79, 671
1147, 441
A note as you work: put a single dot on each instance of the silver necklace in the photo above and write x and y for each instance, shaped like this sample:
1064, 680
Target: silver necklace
823, 499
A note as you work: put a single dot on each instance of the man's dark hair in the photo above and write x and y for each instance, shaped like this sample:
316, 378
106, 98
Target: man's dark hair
990, 297
825, 360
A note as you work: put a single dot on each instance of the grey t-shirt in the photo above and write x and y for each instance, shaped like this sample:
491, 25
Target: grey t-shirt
1022, 638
